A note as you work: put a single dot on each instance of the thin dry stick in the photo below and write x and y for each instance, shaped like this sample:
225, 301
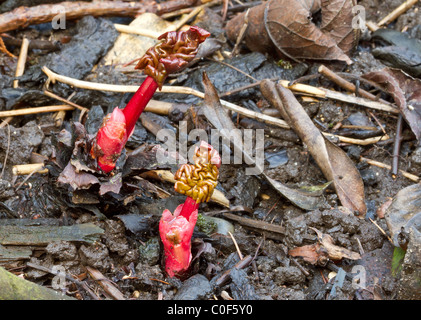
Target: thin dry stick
397, 146
236, 69
397, 12
7, 151
5, 122
224, 9
236, 246
176, 13
134, 30
226, 274
326, 93
67, 101
28, 176
346, 84
372, 26
241, 33
153, 34
21, 112
377, 120
20, 68
191, 15
109, 286
408, 175
23, 169
360, 247
242, 88
59, 118
304, 89
53, 77
362, 142
381, 230
22, 17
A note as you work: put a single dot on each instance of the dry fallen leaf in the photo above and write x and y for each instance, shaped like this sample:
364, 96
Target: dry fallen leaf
77, 180
404, 213
332, 160
310, 253
287, 27
220, 119
405, 90
334, 252
319, 253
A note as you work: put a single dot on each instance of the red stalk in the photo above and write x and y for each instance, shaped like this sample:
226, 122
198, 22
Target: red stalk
138, 102
190, 205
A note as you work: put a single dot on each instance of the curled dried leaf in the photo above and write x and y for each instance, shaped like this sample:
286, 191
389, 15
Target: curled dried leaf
332, 160
286, 27
405, 90
334, 252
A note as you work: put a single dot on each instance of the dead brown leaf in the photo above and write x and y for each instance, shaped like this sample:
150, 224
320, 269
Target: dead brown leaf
287, 26
319, 253
220, 119
77, 180
334, 252
405, 90
310, 253
332, 160
112, 185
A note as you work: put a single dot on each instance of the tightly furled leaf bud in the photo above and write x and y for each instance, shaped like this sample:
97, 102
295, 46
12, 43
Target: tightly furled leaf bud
176, 232
110, 140
199, 180
172, 54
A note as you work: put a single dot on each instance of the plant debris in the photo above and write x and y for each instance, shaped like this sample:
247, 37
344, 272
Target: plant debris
313, 109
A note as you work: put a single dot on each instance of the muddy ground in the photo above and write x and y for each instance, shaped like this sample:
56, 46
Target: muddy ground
130, 254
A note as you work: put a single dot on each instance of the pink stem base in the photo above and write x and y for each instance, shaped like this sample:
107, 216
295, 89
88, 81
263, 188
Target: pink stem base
138, 102
190, 205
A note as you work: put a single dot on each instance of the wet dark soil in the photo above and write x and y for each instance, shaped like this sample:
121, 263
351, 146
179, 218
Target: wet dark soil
129, 251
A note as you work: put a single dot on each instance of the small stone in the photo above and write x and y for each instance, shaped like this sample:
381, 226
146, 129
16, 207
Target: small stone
289, 275
416, 156
96, 256
62, 250
149, 253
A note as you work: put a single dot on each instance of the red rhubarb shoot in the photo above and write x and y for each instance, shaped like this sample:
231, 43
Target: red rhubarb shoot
197, 182
173, 53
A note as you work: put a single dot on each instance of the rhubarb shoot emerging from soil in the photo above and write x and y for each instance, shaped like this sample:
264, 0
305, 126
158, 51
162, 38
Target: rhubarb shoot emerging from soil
172, 54
197, 182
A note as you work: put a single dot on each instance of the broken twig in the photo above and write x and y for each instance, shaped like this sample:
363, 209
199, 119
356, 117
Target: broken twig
109, 287
21, 112
396, 13
53, 77
408, 175
346, 84
397, 146
24, 16
20, 68
23, 169
239, 265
